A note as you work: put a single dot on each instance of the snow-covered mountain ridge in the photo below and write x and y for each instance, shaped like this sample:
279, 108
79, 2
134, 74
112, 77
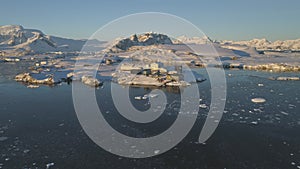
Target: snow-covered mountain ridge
259, 44
17, 41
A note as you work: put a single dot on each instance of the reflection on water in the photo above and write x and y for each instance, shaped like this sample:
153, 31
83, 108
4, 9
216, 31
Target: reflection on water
39, 126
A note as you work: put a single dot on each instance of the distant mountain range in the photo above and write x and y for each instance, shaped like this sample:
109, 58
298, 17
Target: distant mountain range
193, 40
259, 44
18, 41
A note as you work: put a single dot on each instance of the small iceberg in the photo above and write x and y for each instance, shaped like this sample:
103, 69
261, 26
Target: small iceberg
199, 79
33, 86
90, 81
141, 97
138, 98
203, 106
254, 122
27, 78
258, 100
49, 165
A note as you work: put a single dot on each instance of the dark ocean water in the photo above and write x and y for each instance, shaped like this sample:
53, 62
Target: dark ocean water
40, 126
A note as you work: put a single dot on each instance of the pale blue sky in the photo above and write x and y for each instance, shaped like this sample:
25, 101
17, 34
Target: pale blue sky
231, 19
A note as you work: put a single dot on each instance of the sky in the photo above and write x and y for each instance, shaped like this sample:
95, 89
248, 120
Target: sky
220, 20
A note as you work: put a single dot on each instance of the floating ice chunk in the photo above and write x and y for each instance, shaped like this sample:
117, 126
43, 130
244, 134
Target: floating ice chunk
254, 122
258, 100
203, 106
141, 97
284, 113
3, 138
26, 151
151, 95
258, 110
33, 86
49, 165
137, 97
293, 163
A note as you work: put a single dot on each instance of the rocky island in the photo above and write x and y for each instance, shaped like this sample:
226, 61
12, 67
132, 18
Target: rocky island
148, 59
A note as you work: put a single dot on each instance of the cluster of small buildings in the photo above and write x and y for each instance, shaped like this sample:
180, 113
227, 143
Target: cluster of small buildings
155, 70
153, 74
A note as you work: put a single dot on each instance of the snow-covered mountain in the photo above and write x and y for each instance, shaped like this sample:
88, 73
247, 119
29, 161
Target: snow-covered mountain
259, 44
17, 41
264, 44
145, 39
192, 40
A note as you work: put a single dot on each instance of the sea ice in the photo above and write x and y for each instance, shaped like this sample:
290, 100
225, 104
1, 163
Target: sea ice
3, 138
254, 122
33, 86
203, 106
49, 165
26, 151
284, 113
258, 100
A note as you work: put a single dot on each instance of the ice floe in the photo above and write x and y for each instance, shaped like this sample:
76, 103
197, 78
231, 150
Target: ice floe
258, 100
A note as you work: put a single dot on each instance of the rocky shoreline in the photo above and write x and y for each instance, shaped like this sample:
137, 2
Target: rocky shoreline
271, 67
27, 78
157, 53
